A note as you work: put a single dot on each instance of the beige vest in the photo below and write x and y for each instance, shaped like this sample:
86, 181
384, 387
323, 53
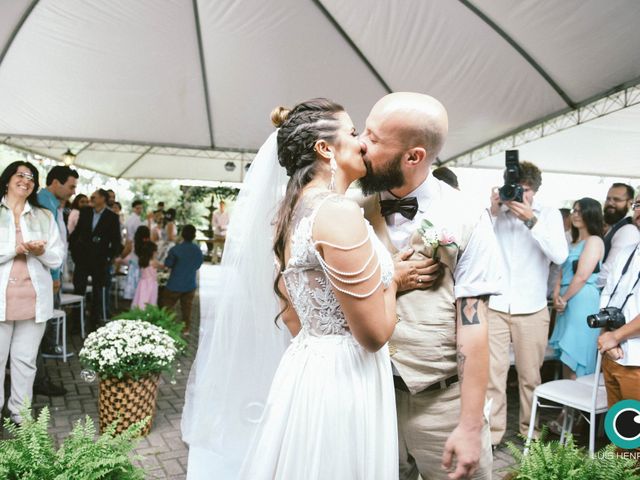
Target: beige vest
423, 345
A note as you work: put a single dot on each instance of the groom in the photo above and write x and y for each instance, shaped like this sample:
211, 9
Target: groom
439, 349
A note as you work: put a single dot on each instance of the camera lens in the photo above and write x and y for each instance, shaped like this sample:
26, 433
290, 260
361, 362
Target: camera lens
597, 320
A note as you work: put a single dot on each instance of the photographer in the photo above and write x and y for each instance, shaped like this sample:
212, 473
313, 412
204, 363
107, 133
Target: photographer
621, 346
531, 236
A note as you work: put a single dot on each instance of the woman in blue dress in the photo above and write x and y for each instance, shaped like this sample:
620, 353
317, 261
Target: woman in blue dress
576, 295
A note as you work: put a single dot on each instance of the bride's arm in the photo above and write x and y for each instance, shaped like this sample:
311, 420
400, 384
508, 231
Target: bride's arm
352, 266
289, 315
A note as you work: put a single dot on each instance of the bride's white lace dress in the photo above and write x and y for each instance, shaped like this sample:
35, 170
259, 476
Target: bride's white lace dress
331, 412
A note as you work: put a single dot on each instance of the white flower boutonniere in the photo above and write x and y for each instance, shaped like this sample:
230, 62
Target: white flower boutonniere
434, 239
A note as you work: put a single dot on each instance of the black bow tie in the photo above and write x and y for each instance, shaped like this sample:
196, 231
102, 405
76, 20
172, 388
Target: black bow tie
407, 207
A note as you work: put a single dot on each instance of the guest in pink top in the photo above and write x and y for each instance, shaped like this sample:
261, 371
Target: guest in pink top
79, 202
30, 247
147, 289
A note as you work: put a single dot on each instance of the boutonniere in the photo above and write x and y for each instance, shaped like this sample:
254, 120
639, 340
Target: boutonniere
434, 238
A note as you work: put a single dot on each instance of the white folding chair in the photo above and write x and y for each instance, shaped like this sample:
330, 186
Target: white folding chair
71, 300
60, 319
580, 395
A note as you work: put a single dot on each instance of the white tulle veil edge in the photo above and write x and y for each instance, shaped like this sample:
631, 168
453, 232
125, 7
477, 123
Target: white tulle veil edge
240, 346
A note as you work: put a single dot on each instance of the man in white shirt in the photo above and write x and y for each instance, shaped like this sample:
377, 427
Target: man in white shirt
439, 349
621, 347
531, 236
620, 233
220, 220
131, 225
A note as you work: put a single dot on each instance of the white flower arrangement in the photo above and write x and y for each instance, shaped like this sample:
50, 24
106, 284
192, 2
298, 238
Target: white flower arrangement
129, 348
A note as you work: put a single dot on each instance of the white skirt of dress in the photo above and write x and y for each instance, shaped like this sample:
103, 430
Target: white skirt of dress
330, 415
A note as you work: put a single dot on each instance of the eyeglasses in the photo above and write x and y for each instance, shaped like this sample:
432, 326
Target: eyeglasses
26, 176
635, 206
575, 211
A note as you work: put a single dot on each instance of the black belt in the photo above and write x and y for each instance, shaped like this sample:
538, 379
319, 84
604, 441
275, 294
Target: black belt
398, 382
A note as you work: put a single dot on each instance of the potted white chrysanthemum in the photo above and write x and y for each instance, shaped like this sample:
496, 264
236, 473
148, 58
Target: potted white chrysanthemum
128, 356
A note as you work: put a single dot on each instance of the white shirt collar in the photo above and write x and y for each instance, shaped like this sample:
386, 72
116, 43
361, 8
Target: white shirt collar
27, 205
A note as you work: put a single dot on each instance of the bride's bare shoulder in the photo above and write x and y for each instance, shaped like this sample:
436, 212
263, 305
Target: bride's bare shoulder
339, 220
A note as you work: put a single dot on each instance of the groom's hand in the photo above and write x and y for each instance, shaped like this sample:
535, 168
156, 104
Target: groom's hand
463, 445
415, 274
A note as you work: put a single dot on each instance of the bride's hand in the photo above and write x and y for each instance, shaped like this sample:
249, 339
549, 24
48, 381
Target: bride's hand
415, 274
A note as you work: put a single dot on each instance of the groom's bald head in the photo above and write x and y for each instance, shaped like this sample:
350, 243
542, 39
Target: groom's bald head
418, 120
403, 135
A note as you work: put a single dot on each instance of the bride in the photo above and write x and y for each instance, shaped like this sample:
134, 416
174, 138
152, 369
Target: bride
330, 411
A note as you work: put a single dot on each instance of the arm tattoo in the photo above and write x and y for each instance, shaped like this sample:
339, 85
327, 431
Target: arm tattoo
469, 311
461, 358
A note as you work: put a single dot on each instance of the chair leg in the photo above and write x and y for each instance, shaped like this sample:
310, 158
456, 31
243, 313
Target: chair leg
532, 423
104, 304
592, 432
82, 332
565, 423
64, 337
115, 293
57, 331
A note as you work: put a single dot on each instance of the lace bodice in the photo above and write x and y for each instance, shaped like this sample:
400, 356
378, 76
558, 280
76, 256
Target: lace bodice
307, 284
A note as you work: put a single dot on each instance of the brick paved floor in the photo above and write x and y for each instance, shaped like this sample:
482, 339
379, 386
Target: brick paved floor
165, 455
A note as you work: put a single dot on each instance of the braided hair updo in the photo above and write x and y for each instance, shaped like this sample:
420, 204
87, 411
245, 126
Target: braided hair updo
299, 130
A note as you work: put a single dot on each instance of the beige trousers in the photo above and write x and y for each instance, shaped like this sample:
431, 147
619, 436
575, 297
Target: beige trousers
528, 334
21, 340
425, 421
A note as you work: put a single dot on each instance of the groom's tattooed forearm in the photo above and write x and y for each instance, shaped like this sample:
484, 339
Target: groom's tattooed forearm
469, 311
461, 358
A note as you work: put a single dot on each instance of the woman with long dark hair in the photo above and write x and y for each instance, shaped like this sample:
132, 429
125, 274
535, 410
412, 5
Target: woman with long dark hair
576, 295
330, 408
30, 247
79, 202
141, 235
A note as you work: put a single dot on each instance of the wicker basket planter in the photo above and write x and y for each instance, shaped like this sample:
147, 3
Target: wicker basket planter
128, 401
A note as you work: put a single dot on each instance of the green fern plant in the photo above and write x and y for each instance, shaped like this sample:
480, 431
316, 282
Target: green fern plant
162, 317
553, 461
31, 455
608, 465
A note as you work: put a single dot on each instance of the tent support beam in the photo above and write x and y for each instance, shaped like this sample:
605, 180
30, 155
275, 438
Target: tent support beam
133, 163
537, 67
127, 142
354, 47
203, 70
15, 31
20, 148
625, 96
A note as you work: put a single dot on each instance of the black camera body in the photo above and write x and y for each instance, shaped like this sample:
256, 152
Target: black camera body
610, 318
511, 190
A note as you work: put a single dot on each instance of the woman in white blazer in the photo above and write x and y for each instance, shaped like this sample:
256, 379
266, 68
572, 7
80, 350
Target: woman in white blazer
30, 246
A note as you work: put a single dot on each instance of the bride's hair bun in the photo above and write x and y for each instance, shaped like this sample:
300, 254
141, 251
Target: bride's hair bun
279, 115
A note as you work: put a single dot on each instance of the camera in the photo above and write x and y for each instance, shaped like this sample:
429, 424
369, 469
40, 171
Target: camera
511, 190
609, 318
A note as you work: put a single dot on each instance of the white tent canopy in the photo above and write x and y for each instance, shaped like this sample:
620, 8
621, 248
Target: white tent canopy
184, 88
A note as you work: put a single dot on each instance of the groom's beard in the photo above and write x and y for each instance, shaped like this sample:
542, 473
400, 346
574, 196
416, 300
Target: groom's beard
388, 178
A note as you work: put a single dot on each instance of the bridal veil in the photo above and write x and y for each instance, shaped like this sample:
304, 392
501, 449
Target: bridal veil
240, 346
